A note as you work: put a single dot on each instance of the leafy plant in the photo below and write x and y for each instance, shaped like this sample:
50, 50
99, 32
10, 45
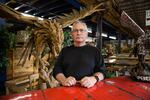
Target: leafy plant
67, 39
7, 40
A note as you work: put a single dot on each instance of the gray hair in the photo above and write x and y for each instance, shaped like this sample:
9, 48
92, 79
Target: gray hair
81, 22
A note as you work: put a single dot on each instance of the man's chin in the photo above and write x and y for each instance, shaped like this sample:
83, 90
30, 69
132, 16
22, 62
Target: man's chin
79, 41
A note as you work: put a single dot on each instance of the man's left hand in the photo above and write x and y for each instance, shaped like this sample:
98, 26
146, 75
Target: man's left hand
88, 81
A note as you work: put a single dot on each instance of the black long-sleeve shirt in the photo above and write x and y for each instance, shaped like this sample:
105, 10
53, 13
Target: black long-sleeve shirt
79, 62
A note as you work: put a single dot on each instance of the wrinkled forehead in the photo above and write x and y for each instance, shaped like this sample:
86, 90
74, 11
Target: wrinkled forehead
79, 26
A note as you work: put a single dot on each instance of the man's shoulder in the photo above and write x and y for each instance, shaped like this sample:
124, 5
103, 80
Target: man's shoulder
91, 47
67, 47
70, 46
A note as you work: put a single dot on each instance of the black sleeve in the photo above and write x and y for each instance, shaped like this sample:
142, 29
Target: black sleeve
100, 65
58, 65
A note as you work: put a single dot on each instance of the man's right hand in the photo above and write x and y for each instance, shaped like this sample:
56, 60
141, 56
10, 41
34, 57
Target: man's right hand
66, 81
70, 81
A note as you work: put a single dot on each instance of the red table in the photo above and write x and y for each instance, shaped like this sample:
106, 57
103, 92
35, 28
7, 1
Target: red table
119, 88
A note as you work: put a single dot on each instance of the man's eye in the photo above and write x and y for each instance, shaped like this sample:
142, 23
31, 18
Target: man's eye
79, 30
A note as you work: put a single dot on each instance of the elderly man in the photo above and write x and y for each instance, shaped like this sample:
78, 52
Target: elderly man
79, 63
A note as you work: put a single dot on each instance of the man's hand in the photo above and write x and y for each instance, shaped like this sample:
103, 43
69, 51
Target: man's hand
70, 81
88, 81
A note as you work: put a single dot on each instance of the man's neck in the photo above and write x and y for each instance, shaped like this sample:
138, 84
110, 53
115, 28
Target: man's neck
79, 44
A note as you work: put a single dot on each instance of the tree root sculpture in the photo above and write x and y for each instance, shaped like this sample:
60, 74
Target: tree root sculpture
141, 71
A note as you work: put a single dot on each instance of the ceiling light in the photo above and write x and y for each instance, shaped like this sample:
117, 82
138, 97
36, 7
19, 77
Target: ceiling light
27, 15
104, 35
16, 8
26, 11
112, 37
19, 7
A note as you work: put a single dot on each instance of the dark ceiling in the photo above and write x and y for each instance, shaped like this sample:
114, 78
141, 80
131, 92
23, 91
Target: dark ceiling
136, 9
52, 8
45, 8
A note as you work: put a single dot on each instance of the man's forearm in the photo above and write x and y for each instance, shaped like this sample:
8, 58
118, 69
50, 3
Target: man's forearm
60, 77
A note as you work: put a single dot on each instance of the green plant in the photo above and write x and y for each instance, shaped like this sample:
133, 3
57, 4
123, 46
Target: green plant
67, 39
7, 40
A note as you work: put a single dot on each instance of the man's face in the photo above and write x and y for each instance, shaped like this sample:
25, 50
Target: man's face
79, 33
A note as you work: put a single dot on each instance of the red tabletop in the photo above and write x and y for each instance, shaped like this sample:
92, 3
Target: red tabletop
32, 95
118, 88
138, 89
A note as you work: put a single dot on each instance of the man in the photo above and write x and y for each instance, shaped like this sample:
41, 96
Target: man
79, 63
